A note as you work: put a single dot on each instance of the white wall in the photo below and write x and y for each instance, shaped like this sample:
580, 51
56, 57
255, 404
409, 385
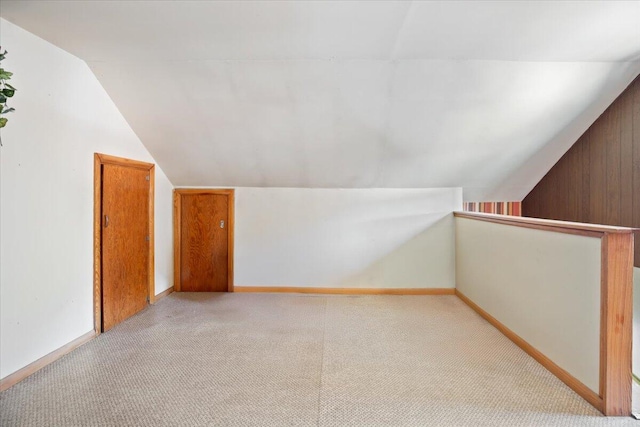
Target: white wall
163, 229
62, 117
636, 320
544, 286
373, 238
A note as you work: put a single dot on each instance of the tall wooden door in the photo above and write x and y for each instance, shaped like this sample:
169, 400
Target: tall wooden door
204, 240
125, 242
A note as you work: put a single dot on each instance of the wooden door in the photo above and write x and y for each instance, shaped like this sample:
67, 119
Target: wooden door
205, 231
125, 242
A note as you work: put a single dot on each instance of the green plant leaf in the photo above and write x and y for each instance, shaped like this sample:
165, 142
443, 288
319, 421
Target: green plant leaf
3, 121
9, 86
8, 110
5, 75
3, 99
8, 92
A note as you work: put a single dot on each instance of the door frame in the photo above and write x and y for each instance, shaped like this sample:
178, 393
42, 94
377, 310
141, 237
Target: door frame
177, 226
99, 160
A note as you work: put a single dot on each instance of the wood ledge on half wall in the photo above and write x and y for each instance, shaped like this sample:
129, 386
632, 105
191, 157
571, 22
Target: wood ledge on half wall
568, 227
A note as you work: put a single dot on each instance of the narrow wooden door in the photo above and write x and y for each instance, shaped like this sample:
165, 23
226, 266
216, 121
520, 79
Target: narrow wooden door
125, 242
204, 240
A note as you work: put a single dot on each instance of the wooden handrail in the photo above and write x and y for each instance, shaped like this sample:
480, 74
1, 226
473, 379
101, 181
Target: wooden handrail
595, 230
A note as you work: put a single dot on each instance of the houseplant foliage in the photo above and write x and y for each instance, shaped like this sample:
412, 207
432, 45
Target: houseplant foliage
6, 91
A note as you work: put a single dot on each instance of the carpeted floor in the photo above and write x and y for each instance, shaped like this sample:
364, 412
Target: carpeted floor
303, 360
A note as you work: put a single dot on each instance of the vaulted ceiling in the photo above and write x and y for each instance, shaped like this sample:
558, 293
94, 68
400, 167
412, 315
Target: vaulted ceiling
480, 95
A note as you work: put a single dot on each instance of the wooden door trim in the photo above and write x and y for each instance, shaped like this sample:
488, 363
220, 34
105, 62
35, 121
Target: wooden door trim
99, 160
177, 223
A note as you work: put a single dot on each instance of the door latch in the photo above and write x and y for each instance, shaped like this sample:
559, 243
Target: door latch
222, 223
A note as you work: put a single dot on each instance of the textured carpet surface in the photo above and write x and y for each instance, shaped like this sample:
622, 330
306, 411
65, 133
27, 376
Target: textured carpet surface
299, 360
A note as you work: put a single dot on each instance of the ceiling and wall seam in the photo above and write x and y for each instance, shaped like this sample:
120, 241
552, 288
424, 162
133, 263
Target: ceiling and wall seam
483, 96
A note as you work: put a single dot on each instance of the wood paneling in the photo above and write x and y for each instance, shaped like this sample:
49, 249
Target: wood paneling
574, 180
585, 191
626, 159
203, 250
597, 174
598, 180
613, 167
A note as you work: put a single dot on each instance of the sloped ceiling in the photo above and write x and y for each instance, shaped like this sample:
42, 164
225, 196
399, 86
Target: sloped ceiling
481, 95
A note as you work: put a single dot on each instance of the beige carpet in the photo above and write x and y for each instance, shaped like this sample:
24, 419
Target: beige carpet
299, 360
